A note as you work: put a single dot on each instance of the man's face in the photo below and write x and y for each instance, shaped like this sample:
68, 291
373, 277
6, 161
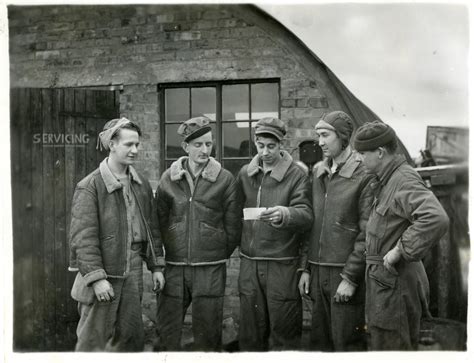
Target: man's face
124, 147
330, 144
199, 149
268, 149
370, 160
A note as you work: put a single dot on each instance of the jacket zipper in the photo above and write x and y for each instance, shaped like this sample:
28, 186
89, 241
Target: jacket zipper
191, 217
326, 187
259, 197
121, 210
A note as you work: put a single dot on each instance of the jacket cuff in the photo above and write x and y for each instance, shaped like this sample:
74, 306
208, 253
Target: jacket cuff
158, 264
403, 254
94, 276
303, 263
160, 261
346, 278
285, 217
157, 269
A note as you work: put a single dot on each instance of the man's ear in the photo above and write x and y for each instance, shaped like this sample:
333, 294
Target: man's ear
112, 145
185, 146
381, 151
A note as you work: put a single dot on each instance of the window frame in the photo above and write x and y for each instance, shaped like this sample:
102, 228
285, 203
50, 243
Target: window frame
162, 87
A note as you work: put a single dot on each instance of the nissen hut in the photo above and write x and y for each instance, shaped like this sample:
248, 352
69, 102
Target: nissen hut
73, 68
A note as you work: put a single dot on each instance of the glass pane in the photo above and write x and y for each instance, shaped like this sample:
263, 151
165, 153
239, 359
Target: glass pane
264, 100
173, 142
234, 166
177, 104
203, 102
235, 102
235, 138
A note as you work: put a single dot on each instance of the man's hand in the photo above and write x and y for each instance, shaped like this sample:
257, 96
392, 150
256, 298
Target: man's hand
303, 285
391, 258
271, 215
158, 281
344, 291
103, 290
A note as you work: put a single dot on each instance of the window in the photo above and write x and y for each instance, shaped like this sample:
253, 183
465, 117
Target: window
233, 108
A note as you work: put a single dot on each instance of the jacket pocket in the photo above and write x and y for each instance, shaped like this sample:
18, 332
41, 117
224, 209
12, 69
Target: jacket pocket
175, 240
383, 301
347, 227
212, 238
377, 224
383, 277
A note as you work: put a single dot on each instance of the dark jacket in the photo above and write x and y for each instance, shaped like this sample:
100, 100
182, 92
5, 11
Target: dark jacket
99, 236
199, 221
341, 205
286, 185
405, 213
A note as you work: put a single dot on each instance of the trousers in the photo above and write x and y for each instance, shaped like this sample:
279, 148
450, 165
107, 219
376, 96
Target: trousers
335, 326
115, 326
204, 286
270, 305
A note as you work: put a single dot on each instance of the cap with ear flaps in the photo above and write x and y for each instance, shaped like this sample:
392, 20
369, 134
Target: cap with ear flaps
339, 122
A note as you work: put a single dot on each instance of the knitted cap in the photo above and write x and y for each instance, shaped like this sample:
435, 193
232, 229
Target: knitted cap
195, 127
372, 135
271, 125
339, 122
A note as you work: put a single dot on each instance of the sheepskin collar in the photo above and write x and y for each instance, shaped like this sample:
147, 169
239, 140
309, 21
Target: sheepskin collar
278, 172
210, 172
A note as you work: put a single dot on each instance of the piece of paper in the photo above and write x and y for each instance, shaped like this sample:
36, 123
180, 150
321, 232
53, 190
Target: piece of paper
252, 213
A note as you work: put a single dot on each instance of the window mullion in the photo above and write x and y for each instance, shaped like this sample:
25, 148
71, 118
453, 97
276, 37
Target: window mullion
219, 145
250, 119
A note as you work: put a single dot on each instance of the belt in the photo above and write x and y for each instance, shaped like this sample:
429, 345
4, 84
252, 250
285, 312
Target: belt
374, 260
135, 246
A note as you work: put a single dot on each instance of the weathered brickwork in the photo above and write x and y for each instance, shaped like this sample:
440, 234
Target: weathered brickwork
142, 46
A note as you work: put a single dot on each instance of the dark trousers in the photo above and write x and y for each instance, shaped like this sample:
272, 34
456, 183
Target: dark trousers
335, 326
395, 305
204, 286
115, 326
270, 306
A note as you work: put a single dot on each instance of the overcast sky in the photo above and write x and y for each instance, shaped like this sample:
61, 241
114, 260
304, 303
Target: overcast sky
408, 62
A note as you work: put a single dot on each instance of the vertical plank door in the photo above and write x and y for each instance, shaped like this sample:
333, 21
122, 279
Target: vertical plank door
53, 146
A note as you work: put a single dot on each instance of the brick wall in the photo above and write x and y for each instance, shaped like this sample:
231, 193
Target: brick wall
144, 45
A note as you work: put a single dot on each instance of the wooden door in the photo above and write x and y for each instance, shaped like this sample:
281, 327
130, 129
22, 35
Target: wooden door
53, 146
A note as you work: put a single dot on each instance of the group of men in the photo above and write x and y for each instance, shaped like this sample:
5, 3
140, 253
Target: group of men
350, 239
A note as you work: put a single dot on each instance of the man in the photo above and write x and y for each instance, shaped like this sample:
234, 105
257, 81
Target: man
333, 260
200, 224
270, 305
405, 221
113, 224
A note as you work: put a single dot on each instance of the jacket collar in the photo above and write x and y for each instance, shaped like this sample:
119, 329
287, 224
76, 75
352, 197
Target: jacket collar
210, 172
346, 171
278, 172
111, 182
388, 170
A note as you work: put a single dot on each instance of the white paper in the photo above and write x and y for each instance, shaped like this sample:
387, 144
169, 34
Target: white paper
252, 213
